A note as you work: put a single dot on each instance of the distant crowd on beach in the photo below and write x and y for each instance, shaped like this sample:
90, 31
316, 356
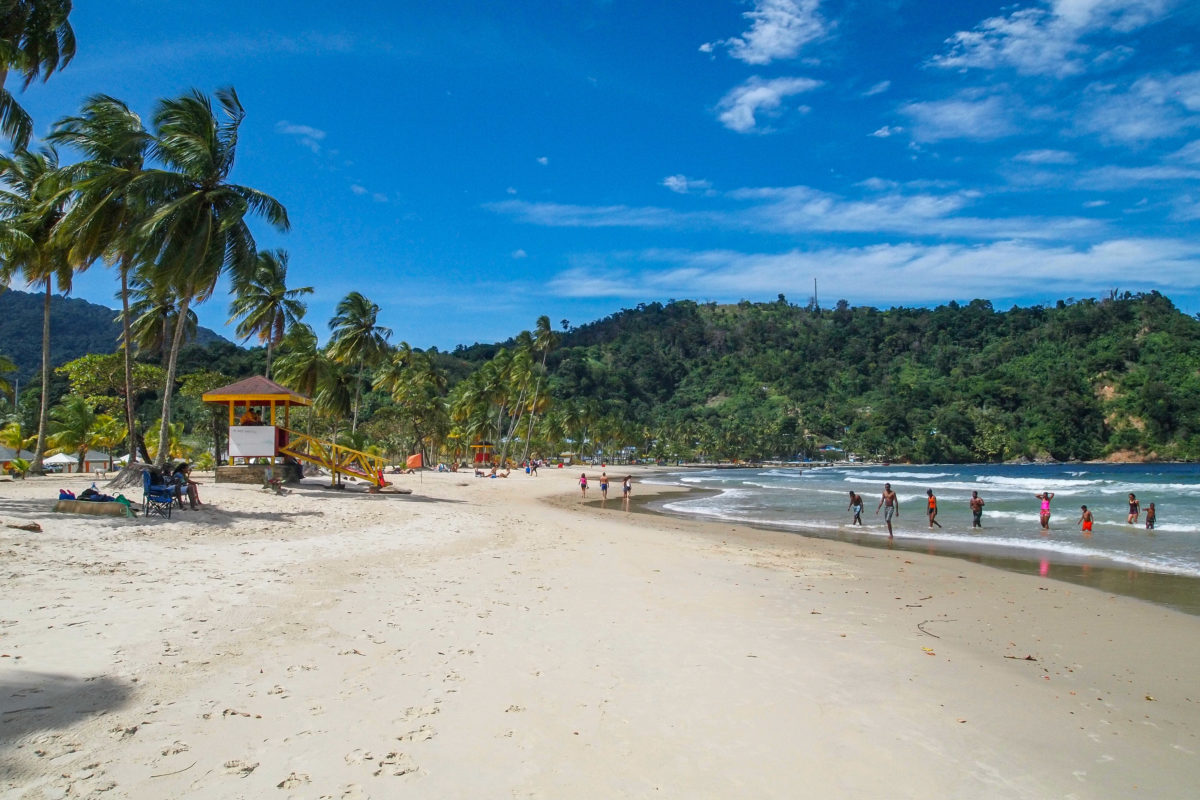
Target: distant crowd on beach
889, 503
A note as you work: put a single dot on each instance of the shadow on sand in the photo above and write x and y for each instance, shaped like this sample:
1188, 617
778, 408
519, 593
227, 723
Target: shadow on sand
32, 702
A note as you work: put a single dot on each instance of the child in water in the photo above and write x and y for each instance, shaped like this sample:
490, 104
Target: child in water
1150, 515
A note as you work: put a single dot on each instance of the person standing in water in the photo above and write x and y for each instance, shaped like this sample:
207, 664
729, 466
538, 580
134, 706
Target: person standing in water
1045, 497
976, 510
603, 488
856, 505
1150, 517
932, 509
1085, 520
1135, 509
891, 506
626, 487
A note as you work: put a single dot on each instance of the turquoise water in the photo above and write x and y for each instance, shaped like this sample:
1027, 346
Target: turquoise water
814, 501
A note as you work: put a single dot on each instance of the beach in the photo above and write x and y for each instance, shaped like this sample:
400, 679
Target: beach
498, 638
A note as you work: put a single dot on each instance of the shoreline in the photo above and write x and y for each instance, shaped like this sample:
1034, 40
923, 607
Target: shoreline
1178, 592
341, 644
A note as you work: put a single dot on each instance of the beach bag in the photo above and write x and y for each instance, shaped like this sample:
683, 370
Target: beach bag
66, 494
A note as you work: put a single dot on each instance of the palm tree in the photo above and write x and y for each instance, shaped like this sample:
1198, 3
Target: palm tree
153, 315
6, 365
357, 339
265, 304
303, 366
76, 427
32, 202
196, 229
35, 40
544, 340
103, 217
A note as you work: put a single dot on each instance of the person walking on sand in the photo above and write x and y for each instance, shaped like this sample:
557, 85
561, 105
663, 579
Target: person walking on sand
1135, 509
603, 488
891, 506
1150, 517
932, 509
1085, 520
626, 486
1045, 497
856, 505
583, 484
976, 510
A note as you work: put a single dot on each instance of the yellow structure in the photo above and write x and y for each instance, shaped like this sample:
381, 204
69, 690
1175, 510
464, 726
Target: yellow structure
260, 430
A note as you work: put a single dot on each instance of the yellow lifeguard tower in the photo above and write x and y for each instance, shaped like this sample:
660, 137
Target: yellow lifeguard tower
257, 432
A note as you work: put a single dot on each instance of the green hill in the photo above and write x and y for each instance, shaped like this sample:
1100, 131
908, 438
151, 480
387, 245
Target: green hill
1118, 377
77, 328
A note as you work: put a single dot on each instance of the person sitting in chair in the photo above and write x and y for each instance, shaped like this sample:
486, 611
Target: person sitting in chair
251, 417
182, 478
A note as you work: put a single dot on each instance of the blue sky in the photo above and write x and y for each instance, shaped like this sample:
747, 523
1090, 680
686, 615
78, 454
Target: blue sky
470, 166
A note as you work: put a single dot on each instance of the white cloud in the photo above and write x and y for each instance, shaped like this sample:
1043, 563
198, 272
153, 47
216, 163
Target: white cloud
778, 29
1154, 107
543, 160
306, 135
886, 131
681, 184
739, 108
1047, 39
1046, 157
1189, 152
888, 274
510, 190
1118, 178
802, 209
358, 189
1095, 204
965, 116
878, 88
519, 254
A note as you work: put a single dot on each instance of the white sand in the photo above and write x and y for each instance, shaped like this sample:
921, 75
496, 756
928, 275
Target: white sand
473, 640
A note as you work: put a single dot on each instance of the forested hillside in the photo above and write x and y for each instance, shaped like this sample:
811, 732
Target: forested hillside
1081, 380
77, 328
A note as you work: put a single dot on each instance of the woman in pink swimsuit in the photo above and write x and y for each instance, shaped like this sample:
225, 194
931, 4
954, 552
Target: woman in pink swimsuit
1045, 497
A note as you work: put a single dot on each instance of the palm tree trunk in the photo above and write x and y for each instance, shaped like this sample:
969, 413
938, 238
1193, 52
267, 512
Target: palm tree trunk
270, 342
39, 449
164, 442
127, 342
357, 392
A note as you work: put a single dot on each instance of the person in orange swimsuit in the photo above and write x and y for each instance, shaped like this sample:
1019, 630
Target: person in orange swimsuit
932, 509
1085, 520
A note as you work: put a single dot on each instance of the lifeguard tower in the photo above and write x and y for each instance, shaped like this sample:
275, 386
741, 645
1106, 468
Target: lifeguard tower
259, 416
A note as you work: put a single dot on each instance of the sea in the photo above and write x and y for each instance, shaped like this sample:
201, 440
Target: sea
1160, 565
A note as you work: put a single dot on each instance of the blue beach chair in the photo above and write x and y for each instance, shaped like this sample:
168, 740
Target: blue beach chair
157, 498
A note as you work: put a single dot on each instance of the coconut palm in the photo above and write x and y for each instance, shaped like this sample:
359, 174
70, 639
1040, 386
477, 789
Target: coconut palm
32, 202
153, 315
197, 230
303, 365
76, 427
265, 304
357, 340
6, 365
102, 221
35, 40
544, 340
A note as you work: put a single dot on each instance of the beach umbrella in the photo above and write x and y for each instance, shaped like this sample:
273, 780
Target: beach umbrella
61, 458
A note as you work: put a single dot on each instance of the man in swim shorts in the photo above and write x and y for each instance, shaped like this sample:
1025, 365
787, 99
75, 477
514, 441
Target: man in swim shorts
976, 510
1151, 517
856, 505
1085, 519
891, 506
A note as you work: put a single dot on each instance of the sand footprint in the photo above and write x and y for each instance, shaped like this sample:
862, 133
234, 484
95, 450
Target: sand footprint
396, 763
293, 781
240, 767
